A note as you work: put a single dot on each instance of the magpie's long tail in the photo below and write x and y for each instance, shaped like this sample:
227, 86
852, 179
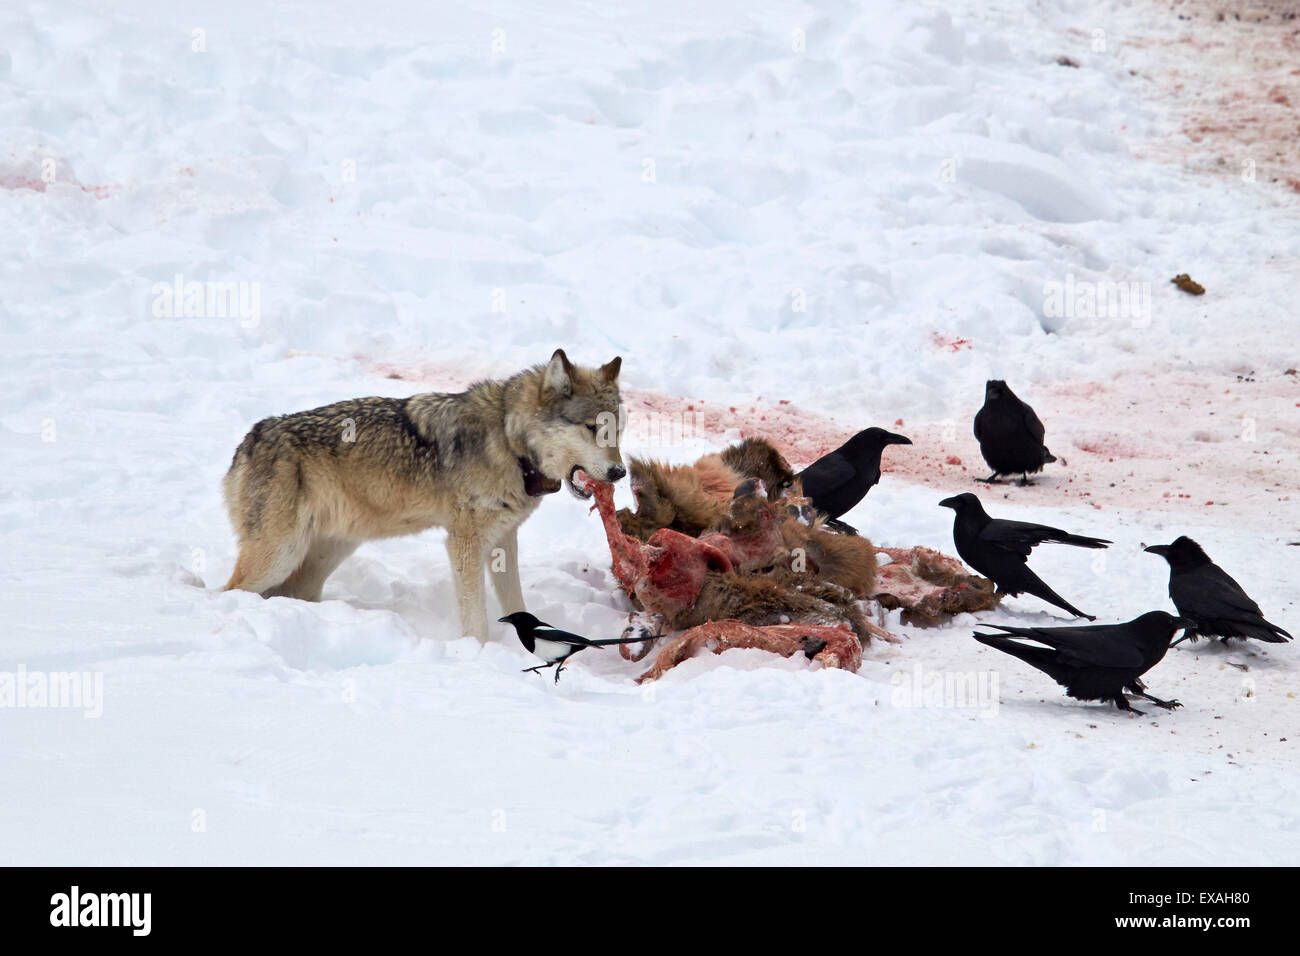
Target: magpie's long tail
605, 642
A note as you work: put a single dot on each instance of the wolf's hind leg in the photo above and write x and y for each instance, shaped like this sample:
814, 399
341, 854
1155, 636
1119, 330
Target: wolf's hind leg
323, 556
265, 561
503, 569
265, 503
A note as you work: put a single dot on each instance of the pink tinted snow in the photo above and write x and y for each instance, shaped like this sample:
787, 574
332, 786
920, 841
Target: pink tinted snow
27, 174
1175, 442
1227, 76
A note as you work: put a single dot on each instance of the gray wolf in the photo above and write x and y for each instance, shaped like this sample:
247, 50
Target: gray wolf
304, 490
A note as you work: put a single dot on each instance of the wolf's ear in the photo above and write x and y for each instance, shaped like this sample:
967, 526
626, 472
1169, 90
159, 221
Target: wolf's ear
610, 368
559, 374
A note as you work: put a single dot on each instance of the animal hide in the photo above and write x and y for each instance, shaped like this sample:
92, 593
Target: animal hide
740, 583
929, 585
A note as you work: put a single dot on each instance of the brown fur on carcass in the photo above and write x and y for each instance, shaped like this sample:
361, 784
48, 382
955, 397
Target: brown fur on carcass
750, 535
781, 597
683, 582
694, 498
758, 458
686, 498
846, 560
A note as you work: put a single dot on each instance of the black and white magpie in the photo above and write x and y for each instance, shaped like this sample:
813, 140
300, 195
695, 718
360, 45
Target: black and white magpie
551, 644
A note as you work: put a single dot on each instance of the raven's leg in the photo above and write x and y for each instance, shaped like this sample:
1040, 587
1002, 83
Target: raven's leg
990, 480
1166, 704
1025, 480
1139, 688
1122, 703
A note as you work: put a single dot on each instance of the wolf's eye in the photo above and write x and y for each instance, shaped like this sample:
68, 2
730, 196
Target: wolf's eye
592, 428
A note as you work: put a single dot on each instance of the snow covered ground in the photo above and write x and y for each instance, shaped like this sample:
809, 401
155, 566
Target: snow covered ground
789, 218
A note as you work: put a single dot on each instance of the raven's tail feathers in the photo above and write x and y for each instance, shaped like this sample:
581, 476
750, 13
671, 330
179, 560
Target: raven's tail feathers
1264, 631
1083, 541
1039, 589
1042, 658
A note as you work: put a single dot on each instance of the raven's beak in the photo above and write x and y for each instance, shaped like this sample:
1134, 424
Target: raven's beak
892, 439
1160, 549
949, 503
1184, 624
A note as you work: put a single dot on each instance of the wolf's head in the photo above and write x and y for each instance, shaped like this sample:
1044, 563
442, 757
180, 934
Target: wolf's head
577, 423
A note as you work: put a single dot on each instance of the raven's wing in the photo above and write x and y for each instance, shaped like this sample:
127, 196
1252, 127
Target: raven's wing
1023, 536
1210, 594
1099, 645
826, 475
979, 417
1209, 591
1033, 424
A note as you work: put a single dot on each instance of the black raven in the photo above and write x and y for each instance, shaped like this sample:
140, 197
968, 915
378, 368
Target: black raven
998, 549
839, 480
1099, 661
1010, 434
1215, 603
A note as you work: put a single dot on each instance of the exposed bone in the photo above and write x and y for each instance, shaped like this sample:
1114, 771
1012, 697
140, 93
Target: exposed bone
843, 650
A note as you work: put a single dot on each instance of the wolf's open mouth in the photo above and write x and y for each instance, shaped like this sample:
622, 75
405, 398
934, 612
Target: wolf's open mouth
579, 483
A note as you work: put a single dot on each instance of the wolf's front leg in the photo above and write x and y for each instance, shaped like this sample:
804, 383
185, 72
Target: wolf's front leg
465, 548
503, 569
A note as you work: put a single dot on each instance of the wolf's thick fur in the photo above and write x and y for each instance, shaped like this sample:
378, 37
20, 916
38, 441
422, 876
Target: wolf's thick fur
305, 489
